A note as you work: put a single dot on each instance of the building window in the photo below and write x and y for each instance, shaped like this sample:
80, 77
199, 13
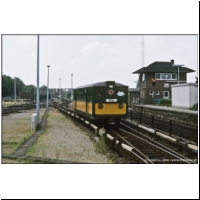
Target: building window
174, 76
166, 76
157, 92
166, 84
143, 77
151, 92
157, 76
166, 94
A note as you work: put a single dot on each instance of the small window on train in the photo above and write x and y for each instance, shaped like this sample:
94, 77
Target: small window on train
120, 93
100, 93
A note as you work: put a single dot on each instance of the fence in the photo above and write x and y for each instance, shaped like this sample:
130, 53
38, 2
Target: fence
172, 127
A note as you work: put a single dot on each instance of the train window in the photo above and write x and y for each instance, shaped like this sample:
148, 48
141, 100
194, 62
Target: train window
89, 95
83, 95
78, 94
120, 92
100, 92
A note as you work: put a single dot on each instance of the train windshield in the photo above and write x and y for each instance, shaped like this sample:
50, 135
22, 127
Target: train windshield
100, 92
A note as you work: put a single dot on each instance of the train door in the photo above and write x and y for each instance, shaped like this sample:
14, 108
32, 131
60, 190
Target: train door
89, 100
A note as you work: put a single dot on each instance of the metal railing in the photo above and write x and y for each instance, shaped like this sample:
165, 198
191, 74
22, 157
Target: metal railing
172, 127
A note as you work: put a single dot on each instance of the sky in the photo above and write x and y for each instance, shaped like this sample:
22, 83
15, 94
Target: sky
111, 50
93, 58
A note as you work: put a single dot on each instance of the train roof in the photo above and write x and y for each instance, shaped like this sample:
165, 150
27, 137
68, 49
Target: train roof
102, 84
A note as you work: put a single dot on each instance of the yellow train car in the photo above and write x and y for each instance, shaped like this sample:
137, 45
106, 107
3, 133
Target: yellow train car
105, 102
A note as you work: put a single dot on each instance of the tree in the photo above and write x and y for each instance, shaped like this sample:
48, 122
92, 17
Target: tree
7, 86
30, 88
19, 85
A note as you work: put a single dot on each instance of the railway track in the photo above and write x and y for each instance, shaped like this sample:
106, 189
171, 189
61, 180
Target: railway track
19, 108
141, 147
144, 149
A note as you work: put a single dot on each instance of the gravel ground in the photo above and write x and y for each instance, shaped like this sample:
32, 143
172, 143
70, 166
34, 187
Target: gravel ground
64, 140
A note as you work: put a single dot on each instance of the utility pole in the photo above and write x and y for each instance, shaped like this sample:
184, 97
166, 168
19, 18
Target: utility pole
71, 87
48, 87
15, 89
142, 52
59, 90
38, 95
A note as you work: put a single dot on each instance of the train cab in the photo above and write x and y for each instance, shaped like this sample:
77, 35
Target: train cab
101, 101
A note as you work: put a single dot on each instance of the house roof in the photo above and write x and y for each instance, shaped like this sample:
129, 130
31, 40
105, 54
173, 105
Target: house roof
163, 67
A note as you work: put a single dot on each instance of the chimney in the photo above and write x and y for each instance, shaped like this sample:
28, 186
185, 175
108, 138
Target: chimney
172, 61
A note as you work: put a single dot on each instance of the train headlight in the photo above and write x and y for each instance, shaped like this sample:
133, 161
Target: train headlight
121, 105
100, 105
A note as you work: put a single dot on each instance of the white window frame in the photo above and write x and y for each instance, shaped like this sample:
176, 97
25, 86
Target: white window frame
165, 78
164, 95
143, 77
151, 92
157, 92
166, 85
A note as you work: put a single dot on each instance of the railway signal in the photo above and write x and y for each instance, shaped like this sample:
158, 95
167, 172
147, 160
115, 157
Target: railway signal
153, 81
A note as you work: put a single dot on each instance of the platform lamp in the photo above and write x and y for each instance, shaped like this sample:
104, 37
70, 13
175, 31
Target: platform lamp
59, 90
48, 87
71, 86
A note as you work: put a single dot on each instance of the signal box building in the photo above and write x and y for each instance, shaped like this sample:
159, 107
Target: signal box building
165, 74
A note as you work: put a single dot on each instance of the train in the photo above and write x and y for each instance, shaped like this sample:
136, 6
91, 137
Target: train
102, 103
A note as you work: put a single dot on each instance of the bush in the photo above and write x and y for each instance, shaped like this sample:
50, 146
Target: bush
194, 107
165, 102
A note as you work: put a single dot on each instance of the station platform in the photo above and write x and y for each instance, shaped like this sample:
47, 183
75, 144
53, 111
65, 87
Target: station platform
182, 110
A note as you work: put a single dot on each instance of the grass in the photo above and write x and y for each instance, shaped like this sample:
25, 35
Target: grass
101, 146
12, 147
194, 107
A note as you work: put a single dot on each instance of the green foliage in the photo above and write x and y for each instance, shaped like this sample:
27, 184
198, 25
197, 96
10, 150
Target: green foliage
165, 102
29, 88
43, 87
194, 107
8, 85
101, 146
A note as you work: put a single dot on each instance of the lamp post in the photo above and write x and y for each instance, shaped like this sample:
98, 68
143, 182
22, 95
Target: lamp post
71, 86
38, 95
48, 87
15, 89
178, 65
59, 90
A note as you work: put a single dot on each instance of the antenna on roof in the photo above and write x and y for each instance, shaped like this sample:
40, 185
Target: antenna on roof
142, 51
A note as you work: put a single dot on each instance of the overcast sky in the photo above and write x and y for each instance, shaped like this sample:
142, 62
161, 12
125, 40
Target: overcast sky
93, 58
